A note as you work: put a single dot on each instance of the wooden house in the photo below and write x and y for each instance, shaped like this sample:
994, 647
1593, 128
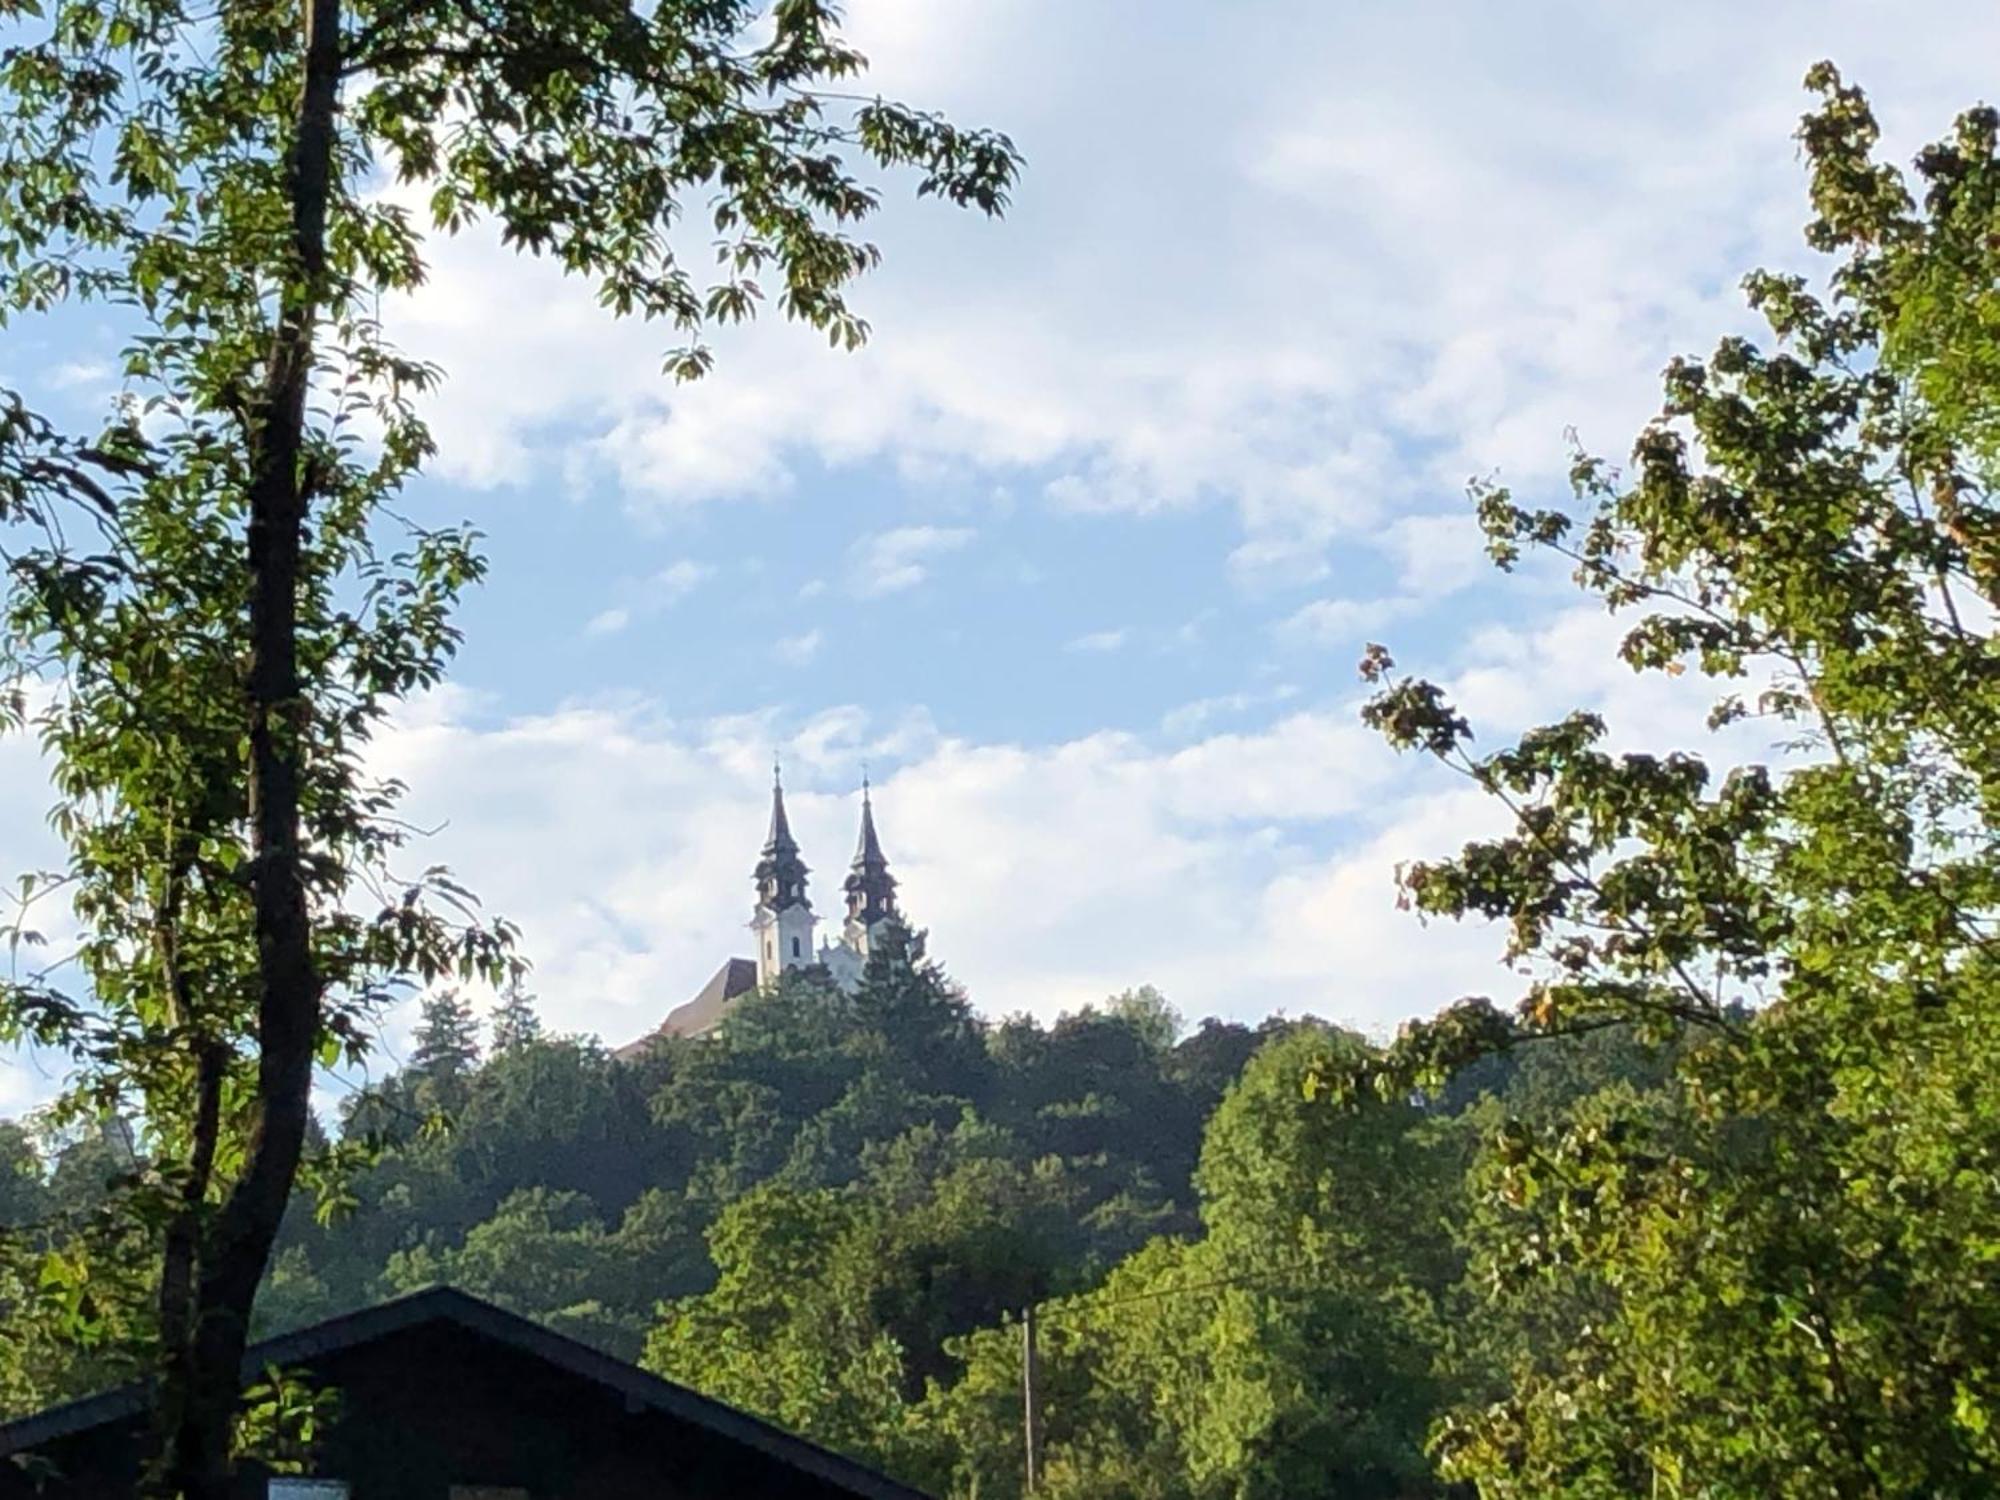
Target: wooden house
440, 1396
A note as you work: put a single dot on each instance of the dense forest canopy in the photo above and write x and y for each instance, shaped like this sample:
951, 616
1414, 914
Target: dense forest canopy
833, 1211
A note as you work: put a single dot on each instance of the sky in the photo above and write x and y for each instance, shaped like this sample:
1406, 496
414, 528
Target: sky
1078, 555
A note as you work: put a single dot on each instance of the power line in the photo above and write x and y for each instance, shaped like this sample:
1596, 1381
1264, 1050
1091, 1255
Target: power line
1087, 1303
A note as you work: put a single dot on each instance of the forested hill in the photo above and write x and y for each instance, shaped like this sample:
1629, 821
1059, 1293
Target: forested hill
832, 1211
1020, 1161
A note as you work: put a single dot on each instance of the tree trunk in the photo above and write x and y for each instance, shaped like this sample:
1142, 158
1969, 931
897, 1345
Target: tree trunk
180, 1257
237, 1249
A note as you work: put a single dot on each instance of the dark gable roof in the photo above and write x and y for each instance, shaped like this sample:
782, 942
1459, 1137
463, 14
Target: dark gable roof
448, 1305
736, 977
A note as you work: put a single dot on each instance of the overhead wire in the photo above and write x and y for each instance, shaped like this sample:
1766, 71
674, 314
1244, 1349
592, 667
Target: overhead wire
1087, 1303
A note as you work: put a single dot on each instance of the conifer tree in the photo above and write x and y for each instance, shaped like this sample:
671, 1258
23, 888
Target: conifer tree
516, 1022
446, 1040
919, 1019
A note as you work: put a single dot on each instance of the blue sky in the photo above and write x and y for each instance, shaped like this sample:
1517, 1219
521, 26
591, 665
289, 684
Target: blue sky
1079, 553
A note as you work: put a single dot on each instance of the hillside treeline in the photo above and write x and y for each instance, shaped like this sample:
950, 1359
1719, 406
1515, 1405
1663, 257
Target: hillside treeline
833, 1210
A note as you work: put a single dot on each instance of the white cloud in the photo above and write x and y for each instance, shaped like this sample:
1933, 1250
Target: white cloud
892, 561
662, 590
1049, 876
679, 579
798, 650
1101, 642
26, 1081
1342, 623
1345, 295
1437, 555
1349, 907
79, 372
1511, 678
1242, 872
1190, 717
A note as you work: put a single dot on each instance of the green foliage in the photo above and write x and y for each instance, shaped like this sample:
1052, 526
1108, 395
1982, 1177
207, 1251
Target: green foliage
547, 1255
516, 1022
73, 1268
281, 1421
1769, 1274
789, 1329
820, 1219
24, 1196
857, 1270
217, 595
1290, 1350
1714, 1212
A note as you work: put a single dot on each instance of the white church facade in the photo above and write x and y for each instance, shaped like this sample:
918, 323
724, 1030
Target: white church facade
785, 929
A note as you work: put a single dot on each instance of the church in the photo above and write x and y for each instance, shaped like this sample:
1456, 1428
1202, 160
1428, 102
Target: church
783, 925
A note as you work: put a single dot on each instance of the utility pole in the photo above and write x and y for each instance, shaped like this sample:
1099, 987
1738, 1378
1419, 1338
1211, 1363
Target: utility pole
1031, 1417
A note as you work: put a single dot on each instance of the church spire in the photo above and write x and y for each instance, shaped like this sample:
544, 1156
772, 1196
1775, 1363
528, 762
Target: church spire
781, 873
871, 889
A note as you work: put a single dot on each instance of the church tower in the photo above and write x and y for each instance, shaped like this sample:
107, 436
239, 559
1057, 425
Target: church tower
783, 922
783, 926
871, 889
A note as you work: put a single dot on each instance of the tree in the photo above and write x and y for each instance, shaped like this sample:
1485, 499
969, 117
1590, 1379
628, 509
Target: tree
1105, 1086
233, 618
516, 1022
832, 1307
547, 1255
559, 1116
1289, 1351
447, 1039
912, 1020
1147, 1012
24, 1194
789, 1330
1781, 1260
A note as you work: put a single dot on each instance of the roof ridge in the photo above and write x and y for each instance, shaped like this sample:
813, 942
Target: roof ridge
458, 1306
